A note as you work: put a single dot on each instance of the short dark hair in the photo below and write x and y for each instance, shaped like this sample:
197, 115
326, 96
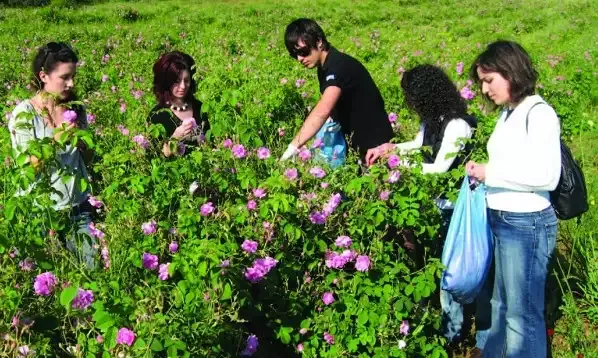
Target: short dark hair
513, 63
167, 71
306, 30
431, 94
48, 57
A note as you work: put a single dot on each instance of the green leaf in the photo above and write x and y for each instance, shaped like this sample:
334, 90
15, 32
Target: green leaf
305, 323
110, 338
45, 265
9, 209
182, 285
190, 297
104, 320
353, 344
322, 245
22, 159
227, 293
156, 346
284, 333
81, 339
362, 318
139, 344
203, 268
289, 229
67, 295
83, 184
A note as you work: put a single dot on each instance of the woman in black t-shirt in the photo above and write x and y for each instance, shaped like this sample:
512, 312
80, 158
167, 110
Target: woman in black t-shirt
178, 111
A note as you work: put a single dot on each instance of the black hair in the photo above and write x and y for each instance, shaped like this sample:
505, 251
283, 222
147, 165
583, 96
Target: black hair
513, 63
306, 30
48, 57
431, 94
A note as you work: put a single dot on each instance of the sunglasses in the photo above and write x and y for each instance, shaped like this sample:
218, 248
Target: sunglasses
302, 51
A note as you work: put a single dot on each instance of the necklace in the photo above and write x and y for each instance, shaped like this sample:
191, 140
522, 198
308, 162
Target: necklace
181, 108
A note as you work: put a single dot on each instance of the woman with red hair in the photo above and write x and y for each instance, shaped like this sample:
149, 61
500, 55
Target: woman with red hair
178, 111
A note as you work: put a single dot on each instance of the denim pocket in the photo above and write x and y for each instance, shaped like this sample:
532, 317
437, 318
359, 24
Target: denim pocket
519, 220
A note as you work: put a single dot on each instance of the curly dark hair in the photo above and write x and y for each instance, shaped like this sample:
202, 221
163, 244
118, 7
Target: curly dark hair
432, 94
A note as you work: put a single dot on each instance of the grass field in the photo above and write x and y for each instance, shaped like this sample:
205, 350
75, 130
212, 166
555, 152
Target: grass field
241, 62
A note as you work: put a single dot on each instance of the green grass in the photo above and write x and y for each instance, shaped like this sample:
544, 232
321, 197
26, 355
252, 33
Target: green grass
577, 269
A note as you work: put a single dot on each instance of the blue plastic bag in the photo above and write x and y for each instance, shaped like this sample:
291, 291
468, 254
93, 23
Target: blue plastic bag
468, 249
333, 149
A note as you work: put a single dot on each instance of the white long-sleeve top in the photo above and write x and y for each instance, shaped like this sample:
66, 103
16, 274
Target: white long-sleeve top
524, 165
26, 125
456, 131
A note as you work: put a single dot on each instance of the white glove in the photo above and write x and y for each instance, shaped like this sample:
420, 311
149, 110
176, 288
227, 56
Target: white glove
289, 153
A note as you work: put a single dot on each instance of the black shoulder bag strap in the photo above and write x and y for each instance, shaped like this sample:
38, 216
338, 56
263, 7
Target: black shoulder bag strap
527, 116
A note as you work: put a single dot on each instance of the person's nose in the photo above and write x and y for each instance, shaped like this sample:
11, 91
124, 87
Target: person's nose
485, 88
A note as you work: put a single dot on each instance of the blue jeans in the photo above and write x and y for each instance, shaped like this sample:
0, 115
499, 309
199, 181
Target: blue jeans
452, 311
452, 315
79, 240
524, 243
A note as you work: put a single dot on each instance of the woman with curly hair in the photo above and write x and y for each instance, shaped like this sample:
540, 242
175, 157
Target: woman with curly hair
178, 111
444, 127
443, 116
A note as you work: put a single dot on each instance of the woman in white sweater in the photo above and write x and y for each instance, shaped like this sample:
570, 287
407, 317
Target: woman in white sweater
524, 165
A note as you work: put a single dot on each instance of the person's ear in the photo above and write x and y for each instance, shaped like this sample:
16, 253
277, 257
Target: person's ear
44, 77
320, 45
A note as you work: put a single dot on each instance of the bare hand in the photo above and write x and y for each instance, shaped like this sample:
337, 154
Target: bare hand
183, 130
476, 170
373, 154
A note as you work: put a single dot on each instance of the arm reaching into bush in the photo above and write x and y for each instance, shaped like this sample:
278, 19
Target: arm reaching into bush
314, 121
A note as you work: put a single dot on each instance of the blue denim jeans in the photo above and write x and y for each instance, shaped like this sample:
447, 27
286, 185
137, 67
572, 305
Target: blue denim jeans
452, 311
452, 315
524, 244
79, 241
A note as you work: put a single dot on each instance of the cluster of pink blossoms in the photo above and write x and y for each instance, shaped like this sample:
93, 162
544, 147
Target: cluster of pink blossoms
150, 262
260, 269
337, 260
333, 202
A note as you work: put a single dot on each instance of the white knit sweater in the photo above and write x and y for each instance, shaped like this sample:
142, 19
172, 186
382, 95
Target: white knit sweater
524, 165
